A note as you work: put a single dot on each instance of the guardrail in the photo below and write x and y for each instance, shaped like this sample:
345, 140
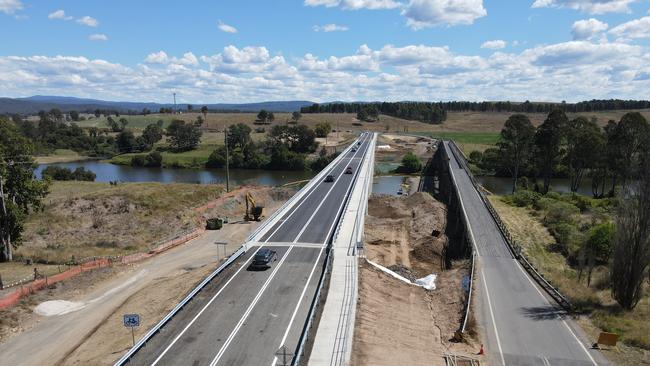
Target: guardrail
329, 258
514, 247
267, 223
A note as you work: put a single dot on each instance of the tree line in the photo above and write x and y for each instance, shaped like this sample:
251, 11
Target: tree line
419, 111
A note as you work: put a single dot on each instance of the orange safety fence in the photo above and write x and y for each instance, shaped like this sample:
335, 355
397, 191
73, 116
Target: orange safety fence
14, 297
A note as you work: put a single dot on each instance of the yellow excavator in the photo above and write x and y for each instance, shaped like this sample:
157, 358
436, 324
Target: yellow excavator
253, 211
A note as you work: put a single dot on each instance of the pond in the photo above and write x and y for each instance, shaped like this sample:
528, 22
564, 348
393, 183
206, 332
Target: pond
387, 184
107, 172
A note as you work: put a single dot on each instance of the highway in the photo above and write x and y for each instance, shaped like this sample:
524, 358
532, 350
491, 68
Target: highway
521, 325
244, 317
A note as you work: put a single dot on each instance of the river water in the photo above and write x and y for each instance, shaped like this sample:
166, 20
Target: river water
107, 172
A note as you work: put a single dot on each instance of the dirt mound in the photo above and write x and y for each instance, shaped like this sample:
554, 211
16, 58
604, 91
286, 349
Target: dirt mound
406, 231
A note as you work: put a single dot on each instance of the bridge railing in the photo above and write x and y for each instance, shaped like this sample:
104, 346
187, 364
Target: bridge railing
515, 248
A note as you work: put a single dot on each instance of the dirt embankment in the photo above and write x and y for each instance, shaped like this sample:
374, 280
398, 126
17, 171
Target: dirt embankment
88, 328
398, 323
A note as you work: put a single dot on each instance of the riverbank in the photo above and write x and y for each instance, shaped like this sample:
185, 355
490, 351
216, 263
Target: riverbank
61, 156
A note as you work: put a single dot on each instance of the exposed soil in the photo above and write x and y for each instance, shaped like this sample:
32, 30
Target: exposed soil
89, 329
398, 323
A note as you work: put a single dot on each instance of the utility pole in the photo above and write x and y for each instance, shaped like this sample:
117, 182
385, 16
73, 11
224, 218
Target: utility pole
225, 138
7, 245
174, 102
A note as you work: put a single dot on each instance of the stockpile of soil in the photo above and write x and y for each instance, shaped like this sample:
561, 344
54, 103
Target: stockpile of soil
400, 231
398, 323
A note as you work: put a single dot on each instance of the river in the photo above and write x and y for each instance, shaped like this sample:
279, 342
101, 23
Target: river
107, 172
502, 185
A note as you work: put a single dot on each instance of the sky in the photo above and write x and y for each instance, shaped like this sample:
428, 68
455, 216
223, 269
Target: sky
240, 51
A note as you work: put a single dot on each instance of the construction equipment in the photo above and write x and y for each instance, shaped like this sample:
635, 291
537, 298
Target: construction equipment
253, 211
214, 223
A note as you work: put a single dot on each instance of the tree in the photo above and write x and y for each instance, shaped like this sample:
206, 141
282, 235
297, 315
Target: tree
204, 110
597, 247
548, 143
74, 115
410, 164
585, 141
262, 115
362, 115
322, 129
239, 136
113, 124
631, 254
624, 144
152, 133
146, 111
295, 116
98, 113
516, 143
20, 191
123, 123
126, 142
153, 159
270, 117
190, 108
183, 136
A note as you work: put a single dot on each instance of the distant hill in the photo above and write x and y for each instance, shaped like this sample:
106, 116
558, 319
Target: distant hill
31, 105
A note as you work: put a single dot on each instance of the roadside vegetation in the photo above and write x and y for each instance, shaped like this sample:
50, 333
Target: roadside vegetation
595, 249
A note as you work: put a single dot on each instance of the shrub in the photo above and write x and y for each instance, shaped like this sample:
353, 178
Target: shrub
138, 160
153, 159
522, 198
476, 157
410, 164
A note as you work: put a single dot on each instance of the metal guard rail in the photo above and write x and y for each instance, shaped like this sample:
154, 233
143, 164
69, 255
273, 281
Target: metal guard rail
126, 358
304, 335
514, 247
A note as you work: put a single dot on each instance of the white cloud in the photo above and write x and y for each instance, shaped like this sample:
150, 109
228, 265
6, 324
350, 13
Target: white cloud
572, 71
157, 58
10, 6
589, 6
330, 28
427, 13
494, 45
634, 29
88, 21
59, 14
226, 28
98, 37
588, 28
355, 4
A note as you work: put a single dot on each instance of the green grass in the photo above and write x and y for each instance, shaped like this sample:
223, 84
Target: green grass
135, 122
188, 159
476, 138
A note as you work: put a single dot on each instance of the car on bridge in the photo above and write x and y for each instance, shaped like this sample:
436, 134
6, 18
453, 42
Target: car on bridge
348, 170
329, 178
262, 259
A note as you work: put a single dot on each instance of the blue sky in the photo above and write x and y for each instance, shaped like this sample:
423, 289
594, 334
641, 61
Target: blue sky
246, 51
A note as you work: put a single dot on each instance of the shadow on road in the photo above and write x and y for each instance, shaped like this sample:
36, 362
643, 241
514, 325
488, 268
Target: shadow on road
544, 313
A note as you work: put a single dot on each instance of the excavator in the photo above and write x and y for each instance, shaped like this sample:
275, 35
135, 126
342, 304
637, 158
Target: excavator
253, 211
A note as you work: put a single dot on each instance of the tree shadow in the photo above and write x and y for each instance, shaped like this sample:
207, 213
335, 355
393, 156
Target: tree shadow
544, 312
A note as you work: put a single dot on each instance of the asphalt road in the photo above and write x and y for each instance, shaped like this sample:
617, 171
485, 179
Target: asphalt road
522, 326
244, 317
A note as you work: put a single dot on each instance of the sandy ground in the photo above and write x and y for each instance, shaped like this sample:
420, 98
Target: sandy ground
91, 333
398, 323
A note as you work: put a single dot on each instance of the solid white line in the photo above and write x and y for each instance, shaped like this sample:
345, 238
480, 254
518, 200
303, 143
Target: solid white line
325, 199
558, 317
303, 201
494, 324
202, 310
295, 311
248, 311
329, 231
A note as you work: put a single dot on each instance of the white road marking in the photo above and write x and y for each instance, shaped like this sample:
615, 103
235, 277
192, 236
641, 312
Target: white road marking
295, 311
494, 324
303, 201
323, 201
202, 310
248, 311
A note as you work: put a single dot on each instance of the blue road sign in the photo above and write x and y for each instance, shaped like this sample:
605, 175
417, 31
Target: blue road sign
131, 320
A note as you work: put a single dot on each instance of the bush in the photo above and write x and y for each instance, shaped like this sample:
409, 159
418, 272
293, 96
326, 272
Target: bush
522, 198
138, 160
410, 164
476, 157
153, 159
62, 173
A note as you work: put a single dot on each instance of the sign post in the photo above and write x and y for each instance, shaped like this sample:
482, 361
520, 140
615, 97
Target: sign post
132, 320
221, 244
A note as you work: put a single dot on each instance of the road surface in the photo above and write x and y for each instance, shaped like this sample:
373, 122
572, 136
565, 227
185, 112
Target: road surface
244, 317
522, 326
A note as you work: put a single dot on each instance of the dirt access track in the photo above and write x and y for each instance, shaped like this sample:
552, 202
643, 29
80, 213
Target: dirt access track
80, 321
398, 323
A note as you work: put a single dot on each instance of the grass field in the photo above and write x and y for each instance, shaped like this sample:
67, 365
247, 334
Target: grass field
60, 156
595, 301
188, 159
